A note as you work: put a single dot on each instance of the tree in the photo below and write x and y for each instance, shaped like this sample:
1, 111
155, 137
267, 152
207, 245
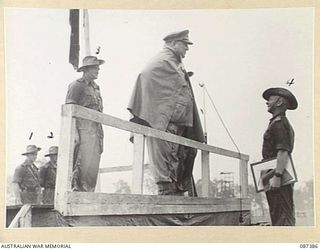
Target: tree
149, 186
122, 187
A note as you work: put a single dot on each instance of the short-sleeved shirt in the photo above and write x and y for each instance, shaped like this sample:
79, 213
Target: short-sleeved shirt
47, 175
27, 176
85, 94
278, 136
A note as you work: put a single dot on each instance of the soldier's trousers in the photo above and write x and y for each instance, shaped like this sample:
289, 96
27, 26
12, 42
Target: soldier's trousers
28, 197
48, 196
281, 206
170, 170
87, 155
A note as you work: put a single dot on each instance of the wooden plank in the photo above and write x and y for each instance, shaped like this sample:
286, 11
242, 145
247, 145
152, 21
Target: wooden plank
109, 204
108, 120
205, 173
244, 178
65, 156
120, 169
101, 198
125, 209
98, 185
81, 203
23, 217
137, 167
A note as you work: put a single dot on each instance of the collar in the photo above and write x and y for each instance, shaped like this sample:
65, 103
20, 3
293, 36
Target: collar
52, 164
26, 164
174, 52
86, 81
277, 115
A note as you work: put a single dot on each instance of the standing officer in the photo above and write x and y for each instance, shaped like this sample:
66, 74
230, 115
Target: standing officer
26, 184
163, 99
89, 139
278, 141
48, 174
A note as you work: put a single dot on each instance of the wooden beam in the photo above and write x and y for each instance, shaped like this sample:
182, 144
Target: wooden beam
84, 204
120, 169
111, 121
23, 217
137, 167
65, 156
244, 178
205, 173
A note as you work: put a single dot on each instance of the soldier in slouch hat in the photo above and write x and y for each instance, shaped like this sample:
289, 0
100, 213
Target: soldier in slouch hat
26, 178
89, 135
48, 174
278, 141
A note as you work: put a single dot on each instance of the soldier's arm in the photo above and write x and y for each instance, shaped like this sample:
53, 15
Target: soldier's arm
282, 143
282, 160
42, 175
17, 179
74, 93
16, 191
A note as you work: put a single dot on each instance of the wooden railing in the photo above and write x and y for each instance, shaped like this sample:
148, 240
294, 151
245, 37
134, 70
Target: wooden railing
23, 217
66, 147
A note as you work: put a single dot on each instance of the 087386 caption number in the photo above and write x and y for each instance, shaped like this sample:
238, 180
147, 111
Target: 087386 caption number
314, 246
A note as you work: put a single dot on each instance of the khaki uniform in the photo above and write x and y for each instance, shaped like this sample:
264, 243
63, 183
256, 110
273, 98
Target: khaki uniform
27, 177
47, 175
89, 142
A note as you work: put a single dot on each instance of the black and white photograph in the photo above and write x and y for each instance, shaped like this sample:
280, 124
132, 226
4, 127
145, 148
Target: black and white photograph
118, 117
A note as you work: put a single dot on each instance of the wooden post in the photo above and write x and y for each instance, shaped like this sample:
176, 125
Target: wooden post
65, 157
244, 178
23, 217
98, 185
205, 173
138, 161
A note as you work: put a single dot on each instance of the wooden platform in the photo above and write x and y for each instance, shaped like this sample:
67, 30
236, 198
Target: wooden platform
81, 203
133, 210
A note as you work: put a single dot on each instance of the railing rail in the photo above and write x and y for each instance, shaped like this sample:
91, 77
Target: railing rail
71, 112
23, 217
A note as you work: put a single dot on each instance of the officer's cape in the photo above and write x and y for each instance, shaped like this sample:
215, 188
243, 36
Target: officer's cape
154, 95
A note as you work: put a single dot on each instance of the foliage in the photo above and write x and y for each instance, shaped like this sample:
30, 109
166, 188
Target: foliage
122, 187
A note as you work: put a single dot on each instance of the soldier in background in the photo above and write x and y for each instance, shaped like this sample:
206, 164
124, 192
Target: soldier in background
48, 174
26, 183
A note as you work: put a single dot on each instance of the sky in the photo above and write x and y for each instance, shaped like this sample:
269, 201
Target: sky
237, 54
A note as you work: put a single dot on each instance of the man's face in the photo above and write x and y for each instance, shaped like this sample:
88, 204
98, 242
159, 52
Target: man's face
92, 71
181, 48
272, 103
53, 158
32, 157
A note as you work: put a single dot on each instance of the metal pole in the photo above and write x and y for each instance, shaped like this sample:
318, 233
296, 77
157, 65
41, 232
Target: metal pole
204, 113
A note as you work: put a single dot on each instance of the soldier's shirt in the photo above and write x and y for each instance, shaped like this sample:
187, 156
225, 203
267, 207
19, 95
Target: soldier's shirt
278, 136
85, 94
27, 176
48, 174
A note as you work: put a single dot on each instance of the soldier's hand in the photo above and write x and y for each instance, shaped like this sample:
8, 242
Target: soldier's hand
275, 183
